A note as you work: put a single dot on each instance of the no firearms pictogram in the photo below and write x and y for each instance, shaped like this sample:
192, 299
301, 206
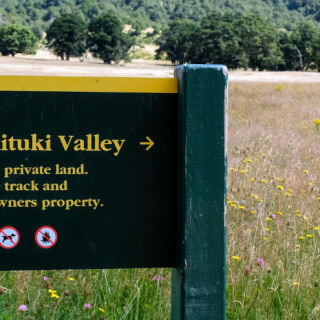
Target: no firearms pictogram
46, 237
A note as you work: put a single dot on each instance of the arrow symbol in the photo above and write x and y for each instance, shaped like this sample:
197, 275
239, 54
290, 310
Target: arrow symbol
148, 143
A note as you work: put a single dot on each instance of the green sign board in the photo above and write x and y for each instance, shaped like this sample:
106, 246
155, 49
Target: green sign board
118, 173
95, 167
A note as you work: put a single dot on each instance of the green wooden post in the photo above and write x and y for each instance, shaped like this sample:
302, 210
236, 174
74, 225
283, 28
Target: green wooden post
198, 284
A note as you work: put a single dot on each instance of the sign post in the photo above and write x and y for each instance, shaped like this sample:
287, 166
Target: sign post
118, 173
198, 283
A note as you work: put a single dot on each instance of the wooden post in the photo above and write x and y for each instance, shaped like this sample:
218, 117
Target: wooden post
198, 284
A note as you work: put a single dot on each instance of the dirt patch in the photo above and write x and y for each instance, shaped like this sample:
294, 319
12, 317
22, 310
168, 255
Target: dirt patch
26, 66
278, 77
44, 63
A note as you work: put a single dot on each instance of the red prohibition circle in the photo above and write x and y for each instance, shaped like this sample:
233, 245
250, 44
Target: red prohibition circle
52, 242
9, 237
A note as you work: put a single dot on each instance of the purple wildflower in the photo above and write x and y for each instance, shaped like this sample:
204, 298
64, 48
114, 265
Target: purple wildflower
45, 278
87, 306
158, 278
294, 261
23, 307
247, 270
260, 262
273, 216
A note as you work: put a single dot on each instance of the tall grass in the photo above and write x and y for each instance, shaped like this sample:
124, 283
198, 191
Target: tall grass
110, 294
273, 202
273, 249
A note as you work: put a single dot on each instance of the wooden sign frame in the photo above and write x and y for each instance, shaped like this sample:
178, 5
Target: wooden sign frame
199, 269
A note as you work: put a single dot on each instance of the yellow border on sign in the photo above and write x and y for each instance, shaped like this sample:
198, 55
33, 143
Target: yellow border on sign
88, 84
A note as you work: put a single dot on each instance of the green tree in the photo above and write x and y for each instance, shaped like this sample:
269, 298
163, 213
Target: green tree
106, 39
289, 50
67, 36
178, 41
305, 37
316, 51
17, 39
259, 41
219, 41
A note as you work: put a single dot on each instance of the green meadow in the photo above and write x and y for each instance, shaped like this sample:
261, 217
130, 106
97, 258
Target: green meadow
273, 252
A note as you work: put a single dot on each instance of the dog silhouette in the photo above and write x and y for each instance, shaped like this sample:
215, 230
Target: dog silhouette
4, 238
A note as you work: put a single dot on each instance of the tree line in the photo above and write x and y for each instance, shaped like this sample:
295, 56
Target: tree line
242, 42
237, 42
70, 36
39, 14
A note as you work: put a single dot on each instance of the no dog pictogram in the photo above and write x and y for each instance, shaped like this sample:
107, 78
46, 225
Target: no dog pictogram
10, 237
46, 237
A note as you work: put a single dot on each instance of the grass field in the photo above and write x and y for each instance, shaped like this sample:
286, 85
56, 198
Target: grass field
273, 202
273, 249
85, 294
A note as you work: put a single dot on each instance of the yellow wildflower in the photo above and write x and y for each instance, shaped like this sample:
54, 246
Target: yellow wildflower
71, 279
102, 310
243, 171
319, 198
264, 180
233, 205
252, 179
54, 295
244, 161
296, 283
301, 238
309, 235
266, 238
249, 160
297, 210
269, 219
280, 187
278, 179
52, 291
288, 194
317, 228
305, 171
298, 214
267, 229
230, 201
298, 245
249, 230
263, 154
252, 211
318, 309
279, 87
310, 184
241, 207
279, 213
232, 169
317, 122
236, 258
